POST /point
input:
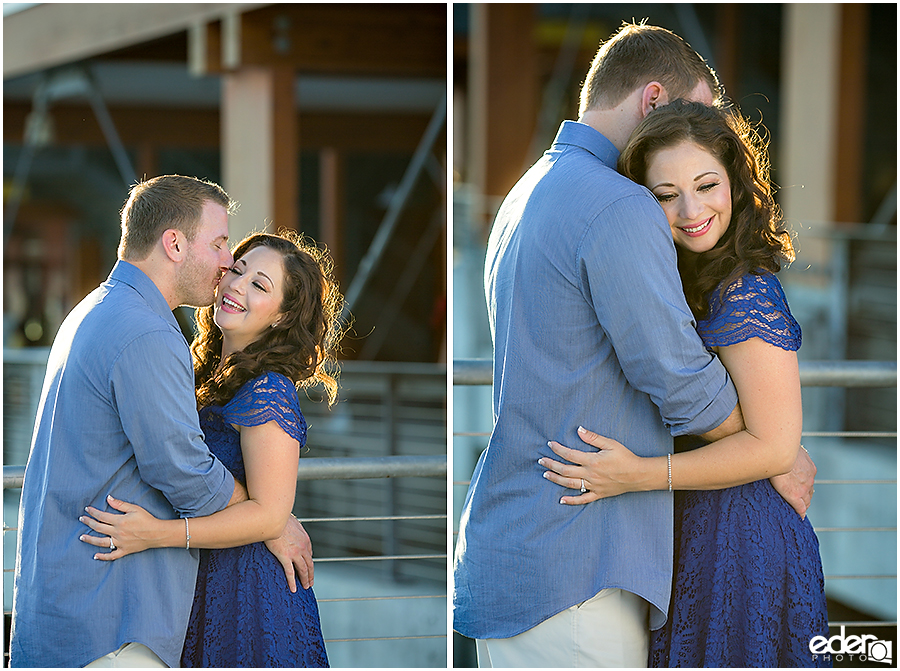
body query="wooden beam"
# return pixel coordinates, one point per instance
(331, 207)
(74, 124)
(247, 147)
(851, 114)
(382, 39)
(52, 34)
(285, 151)
(503, 90)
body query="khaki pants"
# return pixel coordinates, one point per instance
(610, 630)
(129, 656)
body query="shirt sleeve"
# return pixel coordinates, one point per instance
(270, 397)
(629, 275)
(752, 307)
(152, 387)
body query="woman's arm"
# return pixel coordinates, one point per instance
(767, 380)
(270, 462)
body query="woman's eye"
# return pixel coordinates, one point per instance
(234, 270)
(709, 186)
(665, 197)
(259, 286)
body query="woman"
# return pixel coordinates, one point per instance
(273, 327)
(748, 588)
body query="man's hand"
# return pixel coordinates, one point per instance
(294, 549)
(797, 486)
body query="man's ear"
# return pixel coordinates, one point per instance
(174, 244)
(654, 95)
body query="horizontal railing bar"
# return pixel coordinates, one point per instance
(358, 468)
(383, 638)
(849, 434)
(811, 434)
(385, 518)
(849, 623)
(825, 529)
(383, 598)
(812, 373)
(856, 482)
(887, 576)
(355, 468)
(378, 558)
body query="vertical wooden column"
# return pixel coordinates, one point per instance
(259, 148)
(331, 207)
(809, 92)
(504, 90)
(851, 100)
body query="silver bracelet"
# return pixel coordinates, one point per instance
(187, 529)
(669, 459)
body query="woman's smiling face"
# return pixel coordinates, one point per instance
(693, 188)
(249, 297)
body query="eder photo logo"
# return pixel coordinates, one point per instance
(861, 648)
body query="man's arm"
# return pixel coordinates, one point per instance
(732, 424)
(152, 388)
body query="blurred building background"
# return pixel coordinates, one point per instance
(822, 78)
(325, 118)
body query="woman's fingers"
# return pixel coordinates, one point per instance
(96, 525)
(581, 499)
(99, 541)
(557, 467)
(563, 480)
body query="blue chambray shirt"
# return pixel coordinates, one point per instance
(590, 327)
(117, 416)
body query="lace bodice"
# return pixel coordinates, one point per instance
(271, 396)
(752, 307)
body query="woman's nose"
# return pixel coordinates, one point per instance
(690, 207)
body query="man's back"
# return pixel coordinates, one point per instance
(588, 321)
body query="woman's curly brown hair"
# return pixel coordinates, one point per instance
(301, 346)
(756, 239)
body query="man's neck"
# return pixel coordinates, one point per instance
(160, 278)
(616, 123)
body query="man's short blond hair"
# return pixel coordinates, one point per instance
(635, 56)
(158, 204)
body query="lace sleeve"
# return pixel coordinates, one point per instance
(271, 396)
(753, 307)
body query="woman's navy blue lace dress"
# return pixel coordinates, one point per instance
(748, 588)
(244, 615)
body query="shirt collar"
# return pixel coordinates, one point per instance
(581, 135)
(138, 280)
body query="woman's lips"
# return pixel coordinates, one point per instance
(698, 230)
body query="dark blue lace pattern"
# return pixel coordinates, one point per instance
(244, 615)
(748, 588)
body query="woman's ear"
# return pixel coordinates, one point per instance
(174, 244)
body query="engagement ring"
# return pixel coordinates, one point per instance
(112, 546)
(583, 488)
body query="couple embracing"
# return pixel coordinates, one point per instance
(599, 321)
(125, 481)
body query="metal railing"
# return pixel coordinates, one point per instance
(848, 374)
(343, 469)
(380, 545)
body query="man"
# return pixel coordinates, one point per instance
(118, 414)
(590, 328)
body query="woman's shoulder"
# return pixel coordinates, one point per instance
(268, 397)
(264, 388)
(753, 305)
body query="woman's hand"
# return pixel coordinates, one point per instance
(612, 471)
(134, 531)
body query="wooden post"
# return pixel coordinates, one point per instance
(259, 148)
